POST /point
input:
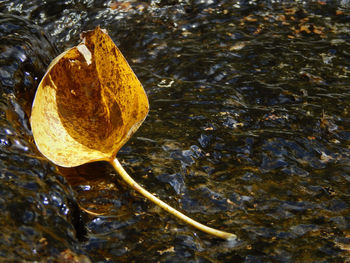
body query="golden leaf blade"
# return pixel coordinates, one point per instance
(88, 104)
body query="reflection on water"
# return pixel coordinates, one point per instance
(248, 129)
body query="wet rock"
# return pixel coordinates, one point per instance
(274, 163)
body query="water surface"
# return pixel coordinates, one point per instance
(248, 132)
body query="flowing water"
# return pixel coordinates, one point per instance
(248, 132)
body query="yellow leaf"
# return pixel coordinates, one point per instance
(88, 104)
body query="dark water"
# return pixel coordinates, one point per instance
(249, 132)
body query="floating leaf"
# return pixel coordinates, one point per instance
(88, 105)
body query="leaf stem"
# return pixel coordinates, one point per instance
(221, 234)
